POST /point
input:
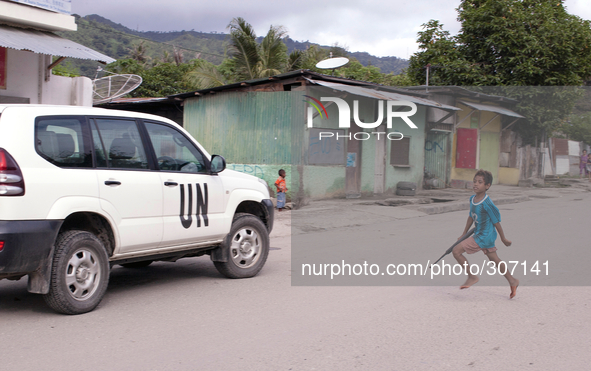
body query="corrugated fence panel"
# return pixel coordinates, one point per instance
(436, 156)
(273, 127)
(245, 128)
(298, 127)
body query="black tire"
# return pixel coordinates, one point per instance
(248, 247)
(135, 265)
(405, 192)
(79, 273)
(406, 185)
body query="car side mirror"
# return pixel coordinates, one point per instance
(218, 164)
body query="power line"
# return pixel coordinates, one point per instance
(143, 38)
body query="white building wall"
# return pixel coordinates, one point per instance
(574, 152)
(574, 148)
(26, 79)
(562, 165)
(22, 75)
(12, 12)
(547, 162)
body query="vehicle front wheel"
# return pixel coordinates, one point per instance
(79, 274)
(248, 247)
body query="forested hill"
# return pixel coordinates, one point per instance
(118, 41)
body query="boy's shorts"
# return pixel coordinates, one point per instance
(280, 200)
(470, 246)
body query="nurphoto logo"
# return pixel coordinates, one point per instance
(345, 115)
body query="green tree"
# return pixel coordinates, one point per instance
(440, 53)
(506, 42)
(160, 80)
(65, 69)
(578, 127)
(511, 43)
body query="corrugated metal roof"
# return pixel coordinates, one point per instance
(384, 95)
(495, 109)
(137, 100)
(292, 74)
(458, 91)
(47, 43)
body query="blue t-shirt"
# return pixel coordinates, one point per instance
(485, 215)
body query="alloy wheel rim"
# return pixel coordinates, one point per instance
(82, 274)
(246, 248)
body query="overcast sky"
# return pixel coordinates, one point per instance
(381, 28)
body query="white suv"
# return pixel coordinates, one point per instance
(82, 189)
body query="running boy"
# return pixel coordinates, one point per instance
(281, 189)
(487, 217)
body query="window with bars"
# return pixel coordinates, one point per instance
(400, 152)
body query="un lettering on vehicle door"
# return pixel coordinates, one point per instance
(193, 209)
(193, 199)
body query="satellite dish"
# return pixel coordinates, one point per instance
(332, 63)
(108, 88)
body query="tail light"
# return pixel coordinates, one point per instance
(11, 177)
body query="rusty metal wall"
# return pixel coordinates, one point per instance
(437, 156)
(244, 127)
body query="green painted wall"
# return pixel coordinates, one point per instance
(414, 173)
(247, 128)
(489, 153)
(260, 132)
(324, 181)
(329, 180)
(269, 173)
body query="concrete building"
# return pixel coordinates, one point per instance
(458, 145)
(27, 51)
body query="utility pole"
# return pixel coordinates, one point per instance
(428, 67)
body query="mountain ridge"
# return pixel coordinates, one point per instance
(116, 40)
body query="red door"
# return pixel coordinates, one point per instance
(466, 148)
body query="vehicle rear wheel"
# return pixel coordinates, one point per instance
(248, 247)
(79, 273)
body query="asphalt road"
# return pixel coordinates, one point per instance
(185, 316)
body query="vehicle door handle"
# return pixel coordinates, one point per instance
(112, 182)
(171, 184)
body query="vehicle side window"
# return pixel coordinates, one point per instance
(99, 148)
(61, 142)
(118, 144)
(174, 151)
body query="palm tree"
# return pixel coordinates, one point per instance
(206, 76)
(251, 60)
(272, 53)
(296, 60)
(248, 59)
(245, 53)
(139, 53)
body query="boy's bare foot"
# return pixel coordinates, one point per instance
(514, 289)
(469, 282)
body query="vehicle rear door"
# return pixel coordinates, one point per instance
(130, 192)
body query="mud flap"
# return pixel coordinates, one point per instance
(220, 254)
